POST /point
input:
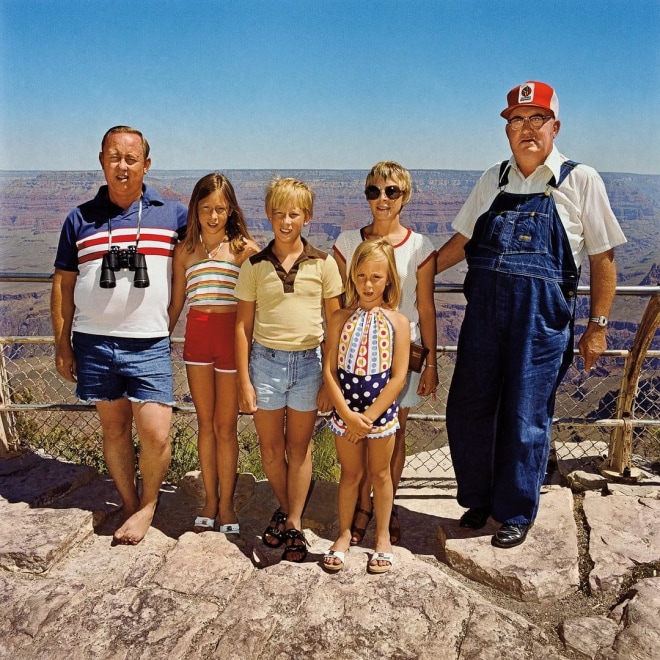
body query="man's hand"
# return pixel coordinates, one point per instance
(592, 344)
(62, 308)
(602, 284)
(65, 362)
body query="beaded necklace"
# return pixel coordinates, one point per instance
(211, 254)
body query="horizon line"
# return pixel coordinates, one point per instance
(293, 169)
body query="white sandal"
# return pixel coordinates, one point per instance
(205, 524)
(334, 554)
(380, 556)
(230, 528)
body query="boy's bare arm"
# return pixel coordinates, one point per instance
(323, 399)
(247, 399)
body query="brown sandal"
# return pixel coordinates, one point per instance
(357, 533)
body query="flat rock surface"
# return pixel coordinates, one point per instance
(625, 532)
(68, 593)
(528, 571)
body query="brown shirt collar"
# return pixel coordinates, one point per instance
(288, 278)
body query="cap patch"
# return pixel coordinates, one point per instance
(532, 93)
(526, 94)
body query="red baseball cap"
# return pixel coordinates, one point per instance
(532, 93)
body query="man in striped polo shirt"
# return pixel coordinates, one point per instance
(111, 289)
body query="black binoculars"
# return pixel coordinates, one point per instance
(116, 259)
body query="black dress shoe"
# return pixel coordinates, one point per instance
(509, 536)
(475, 518)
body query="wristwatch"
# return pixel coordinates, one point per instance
(600, 320)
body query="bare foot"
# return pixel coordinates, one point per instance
(135, 527)
(361, 519)
(296, 546)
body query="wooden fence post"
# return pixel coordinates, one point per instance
(619, 459)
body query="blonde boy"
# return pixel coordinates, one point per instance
(283, 292)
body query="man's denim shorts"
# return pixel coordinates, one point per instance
(286, 378)
(110, 368)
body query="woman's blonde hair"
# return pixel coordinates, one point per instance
(281, 192)
(389, 169)
(236, 229)
(376, 248)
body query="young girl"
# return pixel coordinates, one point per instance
(388, 189)
(205, 269)
(365, 369)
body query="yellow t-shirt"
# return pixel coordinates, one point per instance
(288, 315)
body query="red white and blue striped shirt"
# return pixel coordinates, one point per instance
(123, 311)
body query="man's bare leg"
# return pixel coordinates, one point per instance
(152, 421)
(116, 419)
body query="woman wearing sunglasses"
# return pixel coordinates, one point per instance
(388, 189)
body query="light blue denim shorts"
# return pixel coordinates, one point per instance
(288, 379)
(408, 397)
(110, 368)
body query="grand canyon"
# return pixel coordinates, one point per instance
(33, 206)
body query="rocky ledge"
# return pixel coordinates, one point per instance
(583, 585)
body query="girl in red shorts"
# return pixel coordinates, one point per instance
(204, 272)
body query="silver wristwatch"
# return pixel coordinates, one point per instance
(599, 320)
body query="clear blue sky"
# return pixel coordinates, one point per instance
(291, 84)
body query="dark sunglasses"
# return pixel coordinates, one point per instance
(391, 192)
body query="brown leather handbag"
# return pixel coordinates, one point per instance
(417, 356)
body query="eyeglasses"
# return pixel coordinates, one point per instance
(535, 121)
(391, 192)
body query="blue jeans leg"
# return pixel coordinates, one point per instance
(512, 352)
(473, 400)
(538, 339)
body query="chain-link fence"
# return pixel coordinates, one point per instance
(584, 412)
(586, 406)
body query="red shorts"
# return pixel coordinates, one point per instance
(210, 339)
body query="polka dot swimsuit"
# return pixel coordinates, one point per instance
(364, 366)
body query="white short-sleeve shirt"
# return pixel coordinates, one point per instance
(410, 255)
(581, 201)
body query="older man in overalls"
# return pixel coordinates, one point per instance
(523, 230)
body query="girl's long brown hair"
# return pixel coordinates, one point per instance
(236, 229)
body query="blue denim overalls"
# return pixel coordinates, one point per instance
(515, 345)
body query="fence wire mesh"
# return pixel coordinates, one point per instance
(586, 402)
